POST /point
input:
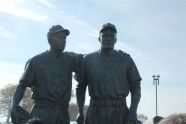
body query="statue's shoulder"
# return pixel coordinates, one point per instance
(73, 57)
(73, 54)
(91, 55)
(122, 53)
(39, 57)
(36, 59)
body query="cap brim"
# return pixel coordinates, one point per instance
(66, 31)
(104, 28)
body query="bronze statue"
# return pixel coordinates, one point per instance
(110, 75)
(49, 75)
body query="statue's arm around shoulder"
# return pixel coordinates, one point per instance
(81, 92)
(75, 59)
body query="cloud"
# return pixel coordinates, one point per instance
(132, 51)
(74, 22)
(87, 29)
(6, 34)
(12, 8)
(86, 46)
(46, 3)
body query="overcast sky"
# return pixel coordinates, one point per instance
(153, 32)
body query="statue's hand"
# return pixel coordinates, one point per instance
(14, 117)
(132, 118)
(131, 122)
(80, 118)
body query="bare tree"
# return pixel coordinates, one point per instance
(143, 118)
(6, 95)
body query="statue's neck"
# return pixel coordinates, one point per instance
(107, 51)
(55, 52)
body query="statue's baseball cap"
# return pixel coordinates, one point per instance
(58, 28)
(108, 26)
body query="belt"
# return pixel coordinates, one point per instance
(48, 104)
(108, 102)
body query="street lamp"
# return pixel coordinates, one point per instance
(156, 82)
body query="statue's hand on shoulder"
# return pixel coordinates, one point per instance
(80, 118)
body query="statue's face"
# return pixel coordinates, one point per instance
(58, 41)
(107, 38)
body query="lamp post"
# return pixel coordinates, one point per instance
(156, 83)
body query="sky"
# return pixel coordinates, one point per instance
(151, 31)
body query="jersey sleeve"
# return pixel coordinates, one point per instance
(132, 72)
(76, 64)
(28, 76)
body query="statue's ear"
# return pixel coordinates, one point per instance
(99, 39)
(115, 40)
(49, 41)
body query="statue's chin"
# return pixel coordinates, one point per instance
(107, 47)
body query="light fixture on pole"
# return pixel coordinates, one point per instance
(156, 83)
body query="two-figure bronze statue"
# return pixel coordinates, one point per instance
(109, 75)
